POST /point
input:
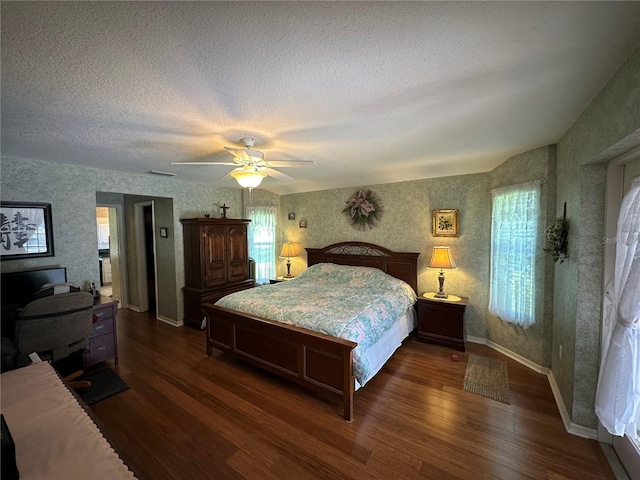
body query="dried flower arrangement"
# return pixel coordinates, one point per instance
(557, 238)
(363, 210)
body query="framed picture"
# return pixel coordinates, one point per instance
(292, 216)
(303, 224)
(164, 232)
(25, 230)
(445, 223)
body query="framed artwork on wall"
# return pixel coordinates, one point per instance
(291, 216)
(445, 223)
(164, 232)
(25, 230)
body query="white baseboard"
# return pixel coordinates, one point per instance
(135, 308)
(514, 356)
(570, 427)
(170, 321)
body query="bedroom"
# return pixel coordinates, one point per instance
(573, 167)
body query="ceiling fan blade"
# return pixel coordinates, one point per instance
(233, 164)
(292, 163)
(276, 174)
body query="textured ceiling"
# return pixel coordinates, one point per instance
(372, 92)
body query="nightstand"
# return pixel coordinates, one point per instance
(441, 321)
(279, 279)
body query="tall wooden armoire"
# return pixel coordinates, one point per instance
(216, 262)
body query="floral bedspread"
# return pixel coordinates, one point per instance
(353, 303)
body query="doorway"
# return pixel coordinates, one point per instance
(146, 257)
(620, 173)
(111, 253)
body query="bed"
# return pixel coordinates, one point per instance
(318, 360)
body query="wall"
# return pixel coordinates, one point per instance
(609, 126)
(71, 190)
(406, 225)
(533, 343)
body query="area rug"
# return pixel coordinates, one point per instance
(487, 377)
(104, 384)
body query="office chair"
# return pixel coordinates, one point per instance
(56, 326)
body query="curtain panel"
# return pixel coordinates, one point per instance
(262, 241)
(514, 226)
(618, 393)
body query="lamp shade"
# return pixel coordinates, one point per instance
(248, 177)
(442, 259)
(289, 249)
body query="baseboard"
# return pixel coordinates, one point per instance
(170, 321)
(514, 356)
(569, 426)
(135, 308)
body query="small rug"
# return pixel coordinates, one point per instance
(104, 384)
(487, 377)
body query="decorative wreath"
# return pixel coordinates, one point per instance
(363, 210)
(557, 239)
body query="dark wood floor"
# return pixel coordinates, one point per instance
(187, 416)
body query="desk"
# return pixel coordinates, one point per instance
(53, 435)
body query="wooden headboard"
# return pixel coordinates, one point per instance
(401, 265)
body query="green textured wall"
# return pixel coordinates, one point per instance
(533, 343)
(609, 126)
(406, 225)
(71, 190)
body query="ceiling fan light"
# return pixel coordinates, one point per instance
(248, 178)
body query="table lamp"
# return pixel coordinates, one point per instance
(289, 249)
(441, 259)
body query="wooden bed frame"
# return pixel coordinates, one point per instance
(319, 362)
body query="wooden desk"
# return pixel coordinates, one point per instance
(54, 436)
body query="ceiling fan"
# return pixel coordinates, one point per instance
(252, 166)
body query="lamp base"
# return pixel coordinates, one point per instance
(440, 293)
(288, 275)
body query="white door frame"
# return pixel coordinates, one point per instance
(122, 250)
(143, 292)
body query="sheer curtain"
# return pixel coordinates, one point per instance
(514, 227)
(262, 241)
(618, 394)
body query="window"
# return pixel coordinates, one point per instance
(262, 241)
(514, 227)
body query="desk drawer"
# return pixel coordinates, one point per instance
(103, 312)
(101, 348)
(102, 326)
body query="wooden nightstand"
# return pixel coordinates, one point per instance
(279, 279)
(442, 321)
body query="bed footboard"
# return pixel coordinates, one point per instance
(314, 360)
